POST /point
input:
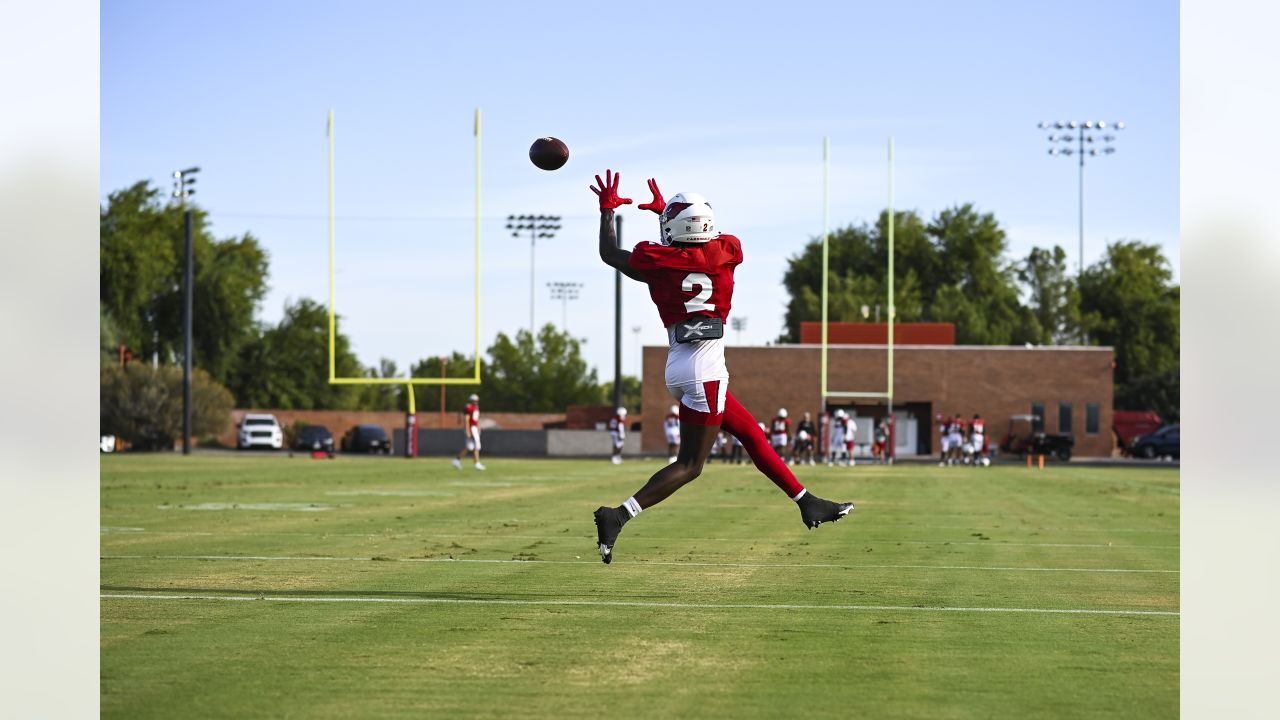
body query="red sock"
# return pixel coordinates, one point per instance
(740, 424)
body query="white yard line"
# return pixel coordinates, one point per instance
(613, 603)
(331, 558)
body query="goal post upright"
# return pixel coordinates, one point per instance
(410, 381)
(826, 239)
(826, 392)
(893, 425)
(477, 133)
(332, 322)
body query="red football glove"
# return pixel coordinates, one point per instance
(658, 204)
(608, 191)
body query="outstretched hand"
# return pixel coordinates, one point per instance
(608, 191)
(658, 204)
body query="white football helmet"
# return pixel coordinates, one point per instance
(688, 218)
(474, 398)
(622, 412)
(840, 413)
(782, 412)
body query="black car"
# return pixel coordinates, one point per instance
(366, 439)
(1161, 443)
(1025, 440)
(314, 438)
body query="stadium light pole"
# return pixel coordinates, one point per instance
(739, 324)
(564, 292)
(1092, 139)
(539, 226)
(183, 182)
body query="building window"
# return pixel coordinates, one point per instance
(1091, 413)
(1064, 418)
(1037, 419)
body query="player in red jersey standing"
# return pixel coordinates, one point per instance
(471, 424)
(690, 279)
(780, 432)
(618, 434)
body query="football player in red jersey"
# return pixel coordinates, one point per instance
(690, 279)
(471, 424)
(618, 434)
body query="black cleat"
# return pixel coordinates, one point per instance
(814, 510)
(608, 525)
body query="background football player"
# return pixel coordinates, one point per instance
(470, 425)
(671, 426)
(780, 432)
(806, 438)
(690, 279)
(618, 434)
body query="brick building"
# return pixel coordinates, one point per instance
(1069, 387)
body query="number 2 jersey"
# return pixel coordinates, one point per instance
(687, 282)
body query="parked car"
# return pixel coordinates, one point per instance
(314, 438)
(1161, 443)
(366, 439)
(1023, 439)
(1129, 425)
(259, 430)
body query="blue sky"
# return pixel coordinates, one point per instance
(728, 99)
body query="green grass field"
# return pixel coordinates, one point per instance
(261, 586)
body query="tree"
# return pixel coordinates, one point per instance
(110, 338)
(143, 404)
(1129, 301)
(288, 366)
(141, 250)
(545, 375)
(949, 270)
(1054, 296)
(631, 392)
(456, 365)
(381, 397)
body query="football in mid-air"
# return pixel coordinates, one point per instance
(549, 153)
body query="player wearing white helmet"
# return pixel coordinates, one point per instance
(850, 439)
(689, 273)
(806, 440)
(780, 432)
(671, 426)
(618, 432)
(471, 424)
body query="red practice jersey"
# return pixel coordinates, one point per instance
(979, 427)
(781, 425)
(472, 411)
(692, 280)
(618, 424)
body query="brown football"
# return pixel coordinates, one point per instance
(549, 153)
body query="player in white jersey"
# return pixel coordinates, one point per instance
(671, 425)
(850, 438)
(836, 449)
(955, 439)
(978, 439)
